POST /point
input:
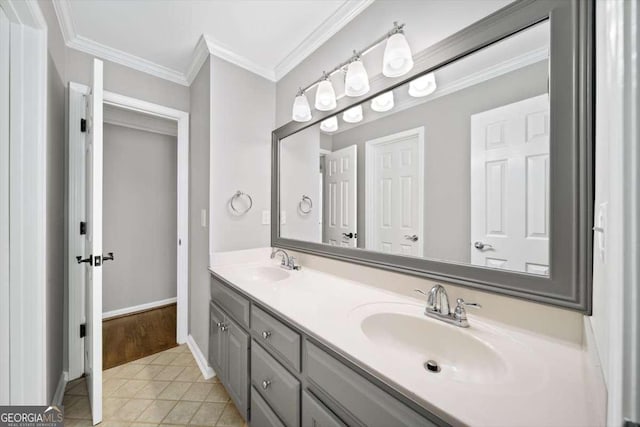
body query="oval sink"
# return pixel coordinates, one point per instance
(263, 274)
(416, 340)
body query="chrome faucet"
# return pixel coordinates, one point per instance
(288, 262)
(438, 307)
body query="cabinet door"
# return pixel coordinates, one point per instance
(315, 414)
(237, 372)
(216, 341)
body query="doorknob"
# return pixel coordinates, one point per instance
(109, 257)
(413, 238)
(482, 246)
(89, 260)
(349, 235)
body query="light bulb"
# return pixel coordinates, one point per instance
(353, 115)
(325, 96)
(356, 82)
(423, 86)
(301, 110)
(382, 103)
(329, 125)
(397, 60)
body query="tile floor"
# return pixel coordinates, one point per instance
(165, 388)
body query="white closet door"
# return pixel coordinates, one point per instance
(93, 339)
(510, 187)
(340, 199)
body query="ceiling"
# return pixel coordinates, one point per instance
(172, 38)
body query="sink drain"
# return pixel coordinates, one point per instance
(432, 366)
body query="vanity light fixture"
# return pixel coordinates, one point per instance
(356, 82)
(382, 103)
(325, 95)
(397, 62)
(329, 125)
(353, 115)
(301, 110)
(423, 86)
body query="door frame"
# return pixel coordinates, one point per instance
(369, 169)
(76, 211)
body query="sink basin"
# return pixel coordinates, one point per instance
(411, 338)
(263, 274)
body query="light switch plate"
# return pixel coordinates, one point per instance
(266, 217)
(283, 217)
(600, 230)
(203, 218)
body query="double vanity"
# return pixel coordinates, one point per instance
(304, 347)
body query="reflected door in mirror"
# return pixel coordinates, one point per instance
(340, 186)
(510, 186)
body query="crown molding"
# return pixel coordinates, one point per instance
(25, 12)
(206, 46)
(334, 23)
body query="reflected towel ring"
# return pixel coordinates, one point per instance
(306, 200)
(238, 195)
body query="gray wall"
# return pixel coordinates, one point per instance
(199, 199)
(447, 154)
(139, 217)
(242, 118)
(427, 22)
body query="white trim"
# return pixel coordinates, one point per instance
(369, 222)
(25, 12)
(28, 171)
(201, 360)
(473, 79)
(334, 23)
(58, 397)
(137, 308)
(207, 45)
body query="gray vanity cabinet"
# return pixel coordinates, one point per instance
(216, 335)
(315, 414)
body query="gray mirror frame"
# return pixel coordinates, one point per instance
(571, 166)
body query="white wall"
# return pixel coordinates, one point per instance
(615, 276)
(242, 118)
(300, 169)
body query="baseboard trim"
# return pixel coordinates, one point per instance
(58, 397)
(137, 308)
(201, 360)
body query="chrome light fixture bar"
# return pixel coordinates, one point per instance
(358, 71)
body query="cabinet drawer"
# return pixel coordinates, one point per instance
(261, 413)
(276, 336)
(277, 386)
(231, 301)
(314, 413)
(364, 400)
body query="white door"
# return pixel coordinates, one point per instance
(395, 193)
(93, 338)
(341, 192)
(510, 187)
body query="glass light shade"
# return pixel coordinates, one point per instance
(356, 82)
(382, 102)
(353, 115)
(423, 86)
(397, 60)
(301, 110)
(325, 96)
(329, 125)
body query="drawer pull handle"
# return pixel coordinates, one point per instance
(266, 384)
(219, 325)
(222, 326)
(266, 334)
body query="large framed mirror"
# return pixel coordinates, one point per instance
(475, 168)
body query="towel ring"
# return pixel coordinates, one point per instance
(239, 194)
(306, 200)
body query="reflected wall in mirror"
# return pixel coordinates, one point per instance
(453, 166)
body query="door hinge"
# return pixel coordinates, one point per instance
(83, 330)
(83, 227)
(83, 125)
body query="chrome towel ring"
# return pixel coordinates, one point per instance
(305, 205)
(238, 195)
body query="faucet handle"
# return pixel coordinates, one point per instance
(460, 314)
(462, 302)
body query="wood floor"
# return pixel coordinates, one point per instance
(137, 335)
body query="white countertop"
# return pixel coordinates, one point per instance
(547, 382)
